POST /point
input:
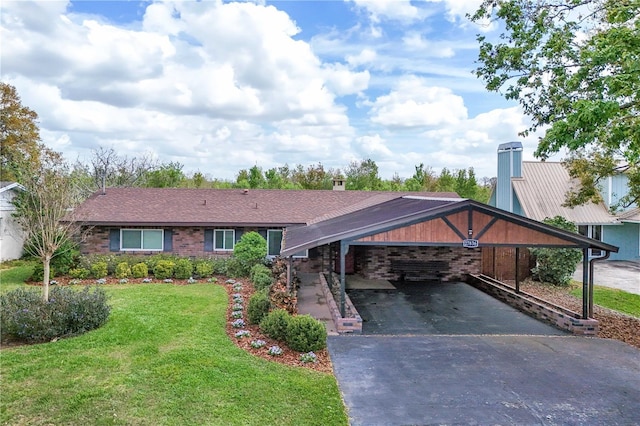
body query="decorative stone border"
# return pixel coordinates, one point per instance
(536, 307)
(343, 325)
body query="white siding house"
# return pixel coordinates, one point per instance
(11, 235)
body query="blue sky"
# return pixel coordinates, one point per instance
(222, 86)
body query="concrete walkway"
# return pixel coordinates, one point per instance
(311, 300)
(620, 274)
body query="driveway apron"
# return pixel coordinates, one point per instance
(450, 354)
(498, 380)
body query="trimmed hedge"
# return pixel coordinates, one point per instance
(305, 334)
(25, 317)
(275, 324)
(258, 307)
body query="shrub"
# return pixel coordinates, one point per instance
(38, 272)
(64, 258)
(163, 269)
(262, 280)
(259, 268)
(203, 268)
(250, 250)
(305, 334)
(275, 324)
(183, 269)
(219, 265)
(258, 306)
(99, 269)
(123, 270)
(555, 265)
(139, 270)
(24, 316)
(79, 273)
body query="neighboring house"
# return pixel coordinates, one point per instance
(537, 190)
(11, 235)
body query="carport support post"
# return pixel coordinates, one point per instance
(344, 248)
(585, 283)
(517, 269)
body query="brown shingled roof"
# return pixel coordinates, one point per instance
(222, 207)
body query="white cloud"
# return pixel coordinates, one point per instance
(415, 42)
(413, 104)
(365, 57)
(401, 10)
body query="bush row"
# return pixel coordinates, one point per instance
(301, 333)
(26, 317)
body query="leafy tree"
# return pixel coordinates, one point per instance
(556, 265)
(313, 177)
(45, 209)
(446, 181)
(168, 175)
(19, 133)
(363, 176)
(574, 67)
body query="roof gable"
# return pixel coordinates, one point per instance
(430, 222)
(542, 191)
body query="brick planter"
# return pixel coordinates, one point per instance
(536, 307)
(343, 325)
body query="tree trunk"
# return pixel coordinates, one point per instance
(45, 281)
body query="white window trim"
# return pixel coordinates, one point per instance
(302, 256)
(142, 231)
(223, 239)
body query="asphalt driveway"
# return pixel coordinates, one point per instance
(498, 380)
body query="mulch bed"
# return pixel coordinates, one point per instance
(288, 357)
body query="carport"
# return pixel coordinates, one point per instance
(463, 226)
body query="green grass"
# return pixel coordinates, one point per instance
(14, 277)
(617, 300)
(162, 358)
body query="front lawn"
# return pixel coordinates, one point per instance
(617, 300)
(162, 358)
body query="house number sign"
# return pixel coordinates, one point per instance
(470, 243)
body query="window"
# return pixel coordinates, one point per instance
(141, 239)
(301, 254)
(224, 239)
(274, 242)
(592, 231)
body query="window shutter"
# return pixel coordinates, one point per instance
(114, 240)
(239, 233)
(263, 233)
(208, 240)
(168, 240)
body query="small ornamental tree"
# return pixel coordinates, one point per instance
(249, 251)
(555, 265)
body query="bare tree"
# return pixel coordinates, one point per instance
(108, 169)
(45, 209)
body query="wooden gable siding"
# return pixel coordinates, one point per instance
(505, 233)
(437, 230)
(434, 230)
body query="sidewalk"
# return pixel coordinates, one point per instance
(311, 301)
(620, 274)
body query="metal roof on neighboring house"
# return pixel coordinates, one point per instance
(542, 192)
(223, 207)
(630, 216)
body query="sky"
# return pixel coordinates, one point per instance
(223, 86)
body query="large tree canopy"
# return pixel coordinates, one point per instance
(19, 133)
(574, 67)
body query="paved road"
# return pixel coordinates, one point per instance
(620, 274)
(478, 380)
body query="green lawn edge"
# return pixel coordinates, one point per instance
(162, 358)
